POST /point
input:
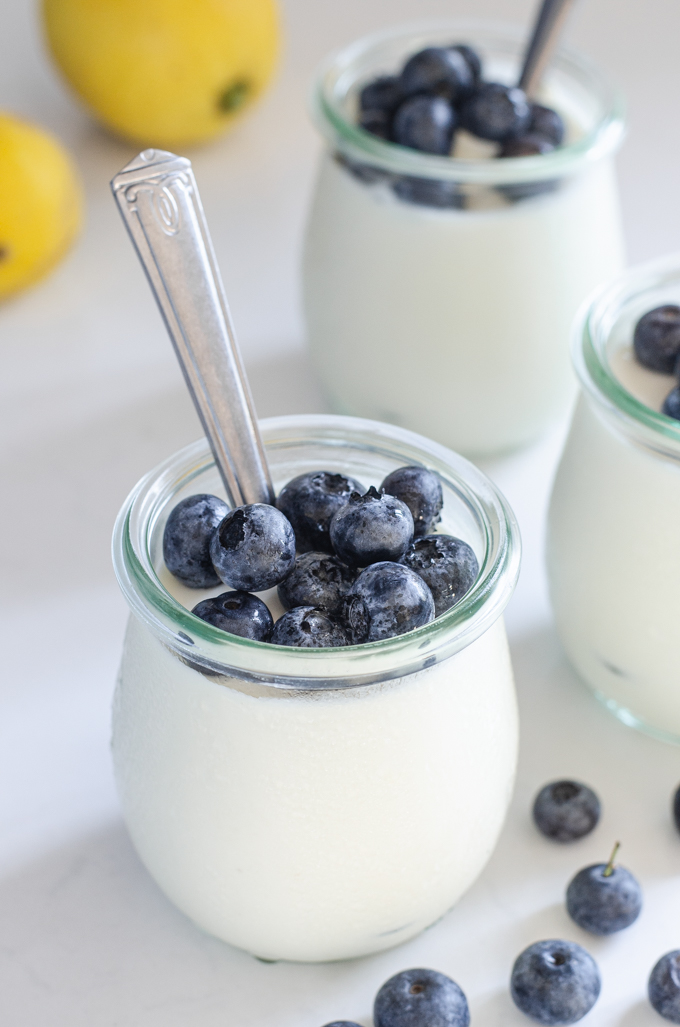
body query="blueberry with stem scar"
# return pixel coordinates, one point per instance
(387, 599)
(604, 898)
(447, 565)
(253, 547)
(555, 982)
(317, 580)
(420, 998)
(307, 628)
(240, 613)
(566, 810)
(371, 528)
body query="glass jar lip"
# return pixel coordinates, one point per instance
(592, 329)
(361, 145)
(220, 654)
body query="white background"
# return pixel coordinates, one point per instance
(91, 399)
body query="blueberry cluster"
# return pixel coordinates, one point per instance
(656, 344)
(350, 565)
(438, 91)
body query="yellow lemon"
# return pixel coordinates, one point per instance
(164, 73)
(41, 206)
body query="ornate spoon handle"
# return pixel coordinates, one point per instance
(160, 205)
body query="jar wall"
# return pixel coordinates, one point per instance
(454, 323)
(315, 825)
(613, 561)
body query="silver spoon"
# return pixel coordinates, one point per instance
(549, 24)
(160, 205)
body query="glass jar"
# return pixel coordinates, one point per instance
(311, 804)
(613, 539)
(449, 313)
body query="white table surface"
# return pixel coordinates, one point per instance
(91, 398)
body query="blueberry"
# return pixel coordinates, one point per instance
(527, 145)
(377, 123)
(657, 338)
(443, 71)
(663, 987)
(421, 490)
(253, 547)
(566, 810)
(420, 998)
(371, 528)
(546, 122)
(425, 123)
(604, 898)
(317, 580)
(308, 628)
(382, 94)
(186, 540)
(473, 60)
(429, 192)
(671, 404)
(555, 982)
(309, 502)
(676, 807)
(447, 565)
(238, 612)
(387, 599)
(495, 112)
(343, 1023)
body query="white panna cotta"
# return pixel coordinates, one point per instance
(613, 543)
(455, 322)
(316, 804)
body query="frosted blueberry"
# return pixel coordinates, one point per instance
(671, 404)
(555, 982)
(443, 71)
(604, 898)
(421, 490)
(238, 612)
(425, 123)
(309, 502)
(317, 580)
(663, 987)
(420, 998)
(495, 111)
(566, 810)
(387, 599)
(447, 565)
(253, 547)
(186, 539)
(656, 340)
(371, 528)
(307, 628)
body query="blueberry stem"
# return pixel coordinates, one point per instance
(609, 869)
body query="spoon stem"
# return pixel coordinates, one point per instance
(549, 23)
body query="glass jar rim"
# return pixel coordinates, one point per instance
(220, 654)
(361, 145)
(592, 329)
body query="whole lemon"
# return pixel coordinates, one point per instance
(164, 73)
(41, 208)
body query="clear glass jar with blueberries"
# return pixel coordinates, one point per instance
(454, 230)
(613, 543)
(315, 803)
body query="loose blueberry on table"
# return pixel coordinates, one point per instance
(420, 998)
(238, 612)
(663, 987)
(186, 540)
(555, 982)
(604, 898)
(566, 810)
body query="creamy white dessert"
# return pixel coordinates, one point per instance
(613, 541)
(315, 826)
(315, 819)
(455, 323)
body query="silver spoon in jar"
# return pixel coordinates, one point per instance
(549, 23)
(158, 199)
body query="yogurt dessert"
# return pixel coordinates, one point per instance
(613, 545)
(315, 803)
(439, 290)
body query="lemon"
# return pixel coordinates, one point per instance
(164, 73)
(41, 208)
